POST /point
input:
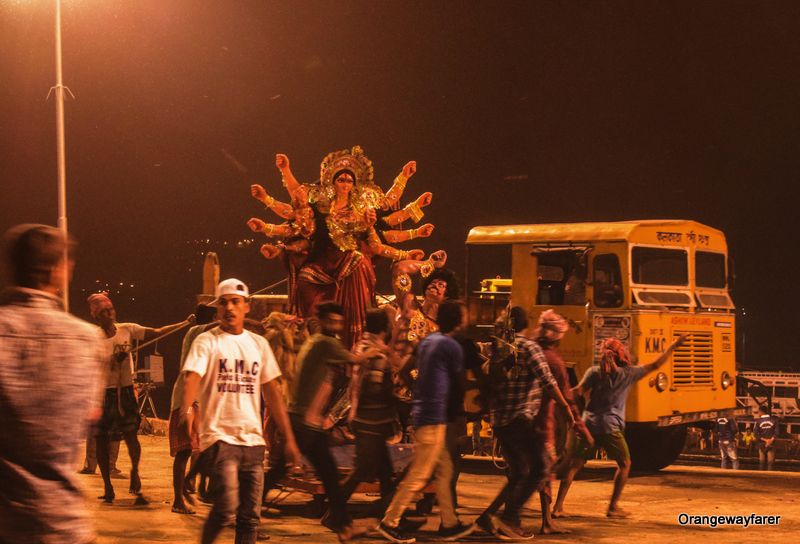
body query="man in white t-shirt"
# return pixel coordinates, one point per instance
(226, 371)
(120, 418)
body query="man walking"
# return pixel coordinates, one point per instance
(227, 370)
(517, 385)
(439, 358)
(50, 365)
(183, 446)
(322, 368)
(608, 385)
(120, 417)
(373, 414)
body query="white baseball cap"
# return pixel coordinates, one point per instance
(231, 286)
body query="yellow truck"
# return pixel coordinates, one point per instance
(644, 282)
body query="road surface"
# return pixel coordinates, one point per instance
(656, 502)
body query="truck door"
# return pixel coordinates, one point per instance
(562, 286)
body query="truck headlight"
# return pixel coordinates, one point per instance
(726, 381)
(661, 382)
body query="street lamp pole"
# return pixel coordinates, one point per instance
(61, 152)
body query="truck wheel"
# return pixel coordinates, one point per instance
(653, 448)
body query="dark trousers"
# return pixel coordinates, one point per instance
(766, 456)
(372, 461)
(237, 478)
(524, 451)
(313, 445)
(277, 457)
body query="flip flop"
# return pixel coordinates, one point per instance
(140, 500)
(183, 510)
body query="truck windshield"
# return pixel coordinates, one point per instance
(656, 266)
(710, 269)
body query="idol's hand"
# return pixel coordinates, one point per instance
(416, 255)
(282, 162)
(270, 251)
(424, 231)
(439, 258)
(424, 199)
(410, 169)
(370, 217)
(256, 225)
(258, 192)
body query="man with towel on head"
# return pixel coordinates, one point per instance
(120, 416)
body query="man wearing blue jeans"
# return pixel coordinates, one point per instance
(766, 429)
(439, 358)
(227, 370)
(727, 431)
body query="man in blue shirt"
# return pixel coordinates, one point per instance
(439, 359)
(608, 384)
(727, 431)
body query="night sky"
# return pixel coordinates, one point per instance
(517, 112)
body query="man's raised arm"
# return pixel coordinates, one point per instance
(664, 356)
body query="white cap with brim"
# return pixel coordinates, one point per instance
(230, 286)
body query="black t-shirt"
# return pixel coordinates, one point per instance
(472, 361)
(726, 428)
(376, 394)
(766, 427)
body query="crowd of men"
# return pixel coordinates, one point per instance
(233, 392)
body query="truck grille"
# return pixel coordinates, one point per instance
(693, 362)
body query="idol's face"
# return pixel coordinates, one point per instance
(436, 290)
(344, 183)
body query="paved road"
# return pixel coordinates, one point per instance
(655, 500)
